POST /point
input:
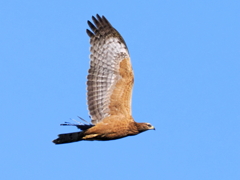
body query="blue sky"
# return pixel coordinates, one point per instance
(185, 56)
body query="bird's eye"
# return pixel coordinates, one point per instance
(149, 125)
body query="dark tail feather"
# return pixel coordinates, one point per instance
(79, 126)
(68, 138)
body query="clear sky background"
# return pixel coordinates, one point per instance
(186, 61)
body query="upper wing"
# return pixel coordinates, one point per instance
(110, 77)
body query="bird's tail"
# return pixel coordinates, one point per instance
(69, 137)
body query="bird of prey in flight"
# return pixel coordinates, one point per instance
(109, 88)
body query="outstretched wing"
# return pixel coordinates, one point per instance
(110, 77)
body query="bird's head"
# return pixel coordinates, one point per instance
(145, 126)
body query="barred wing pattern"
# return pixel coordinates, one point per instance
(110, 77)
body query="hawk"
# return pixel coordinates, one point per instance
(109, 88)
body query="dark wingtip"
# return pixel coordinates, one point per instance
(91, 25)
(97, 15)
(96, 22)
(99, 18)
(90, 34)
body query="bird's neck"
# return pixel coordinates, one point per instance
(136, 127)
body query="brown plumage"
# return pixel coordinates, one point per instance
(109, 85)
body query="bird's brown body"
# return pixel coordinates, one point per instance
(109, 85)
